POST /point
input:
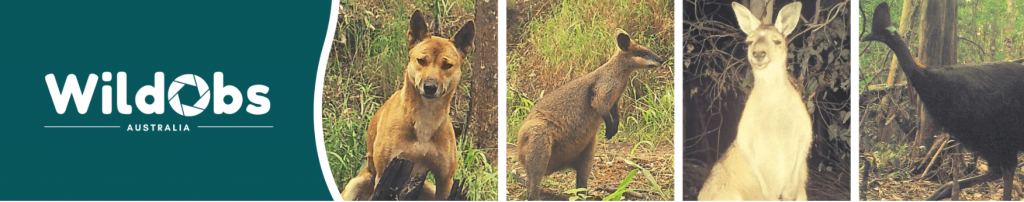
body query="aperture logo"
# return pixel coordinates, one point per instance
(256, 94)
(189, 110)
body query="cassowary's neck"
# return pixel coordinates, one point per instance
(910, 66)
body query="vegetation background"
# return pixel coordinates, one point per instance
(552, 42)
(366, 66)
(897, 163)
(717, 81)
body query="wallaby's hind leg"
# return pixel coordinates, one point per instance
(534, 154)
(584, 163)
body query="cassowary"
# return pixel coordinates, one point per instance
(980, 105)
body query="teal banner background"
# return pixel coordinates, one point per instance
(273, 43)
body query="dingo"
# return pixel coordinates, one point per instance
(414, 123)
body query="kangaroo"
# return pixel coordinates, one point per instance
(413, 123)
(565, 121)
(768, 159)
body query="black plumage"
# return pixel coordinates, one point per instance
(980, 105)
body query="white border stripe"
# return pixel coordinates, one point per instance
(502, 96)
(321, 151)
(677, 86)
(854, 100)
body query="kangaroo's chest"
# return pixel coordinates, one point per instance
(774, 114)
(774, 134)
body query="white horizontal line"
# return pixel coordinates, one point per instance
(235, 126)
(81, 126)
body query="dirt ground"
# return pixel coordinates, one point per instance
(609, 170)
(886, 186)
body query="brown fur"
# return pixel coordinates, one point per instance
(561, 130)
(414, 123)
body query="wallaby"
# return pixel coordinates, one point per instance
(561, 130)
(768, 159)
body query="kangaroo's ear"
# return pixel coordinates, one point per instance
(622, 39)
(417, 28)
(748, 23)
(789, 16)
(463, 40)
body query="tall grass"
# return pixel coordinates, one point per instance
(368, 67)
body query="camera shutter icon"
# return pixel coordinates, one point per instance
(183, 109)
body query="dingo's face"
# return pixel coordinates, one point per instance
(766, 43)
(434, 61)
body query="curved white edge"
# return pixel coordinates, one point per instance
(854, 98)
(678, 104)
(502, 101)
(318, 125)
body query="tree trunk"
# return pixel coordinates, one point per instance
(762, 9)
(483, 117)
(1008, 32)
(938, 47)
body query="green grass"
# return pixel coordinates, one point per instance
(364, 71)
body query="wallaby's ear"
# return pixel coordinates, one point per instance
(463, 40)
(748, 23)
(622, 39)
(789, 16)
(417, 28)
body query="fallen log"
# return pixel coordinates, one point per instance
(398, 183)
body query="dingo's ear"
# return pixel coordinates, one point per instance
(417, 28)
(622, 39)
(463, 40)
(789, 16)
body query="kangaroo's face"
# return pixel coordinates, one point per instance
(434, 61)
(766, 43)
(640, 56)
